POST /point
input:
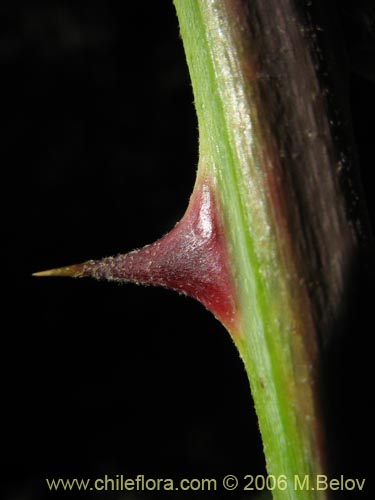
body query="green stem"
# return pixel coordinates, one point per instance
(282, 227)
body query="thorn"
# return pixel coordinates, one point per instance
(191, 259)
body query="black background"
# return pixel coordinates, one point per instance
(100, 150)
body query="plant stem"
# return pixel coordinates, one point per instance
(265, 139)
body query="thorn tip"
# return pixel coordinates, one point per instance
(74, 271)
